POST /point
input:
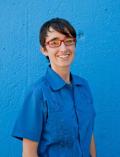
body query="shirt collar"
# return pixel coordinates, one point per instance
(56, 82)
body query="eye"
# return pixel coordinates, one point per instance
(54, 42)
(69, 41)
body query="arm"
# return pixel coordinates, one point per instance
(92, 147)
(29, 148)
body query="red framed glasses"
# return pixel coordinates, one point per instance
(57, 42)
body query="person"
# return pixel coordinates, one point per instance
(57, 116)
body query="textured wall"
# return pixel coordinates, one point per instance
(97, 59)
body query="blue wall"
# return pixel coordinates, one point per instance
(97, 59)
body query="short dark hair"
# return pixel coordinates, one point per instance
(58, 24)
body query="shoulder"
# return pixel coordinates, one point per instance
(80, 80)
(35, 89)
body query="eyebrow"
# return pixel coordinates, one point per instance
(56, 38)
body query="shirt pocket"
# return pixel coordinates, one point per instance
(54, 106)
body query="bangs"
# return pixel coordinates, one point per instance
(63, 29)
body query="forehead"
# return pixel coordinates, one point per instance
(54, 34)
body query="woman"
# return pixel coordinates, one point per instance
(57, 116)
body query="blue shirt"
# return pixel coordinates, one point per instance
(59, 116)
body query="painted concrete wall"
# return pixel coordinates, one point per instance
(97, 59)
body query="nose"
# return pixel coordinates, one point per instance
(63, 46)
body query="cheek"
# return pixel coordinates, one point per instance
(52, 54)
(72, 49)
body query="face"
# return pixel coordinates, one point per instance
(61, 56)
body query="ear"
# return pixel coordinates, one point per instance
(44, 51)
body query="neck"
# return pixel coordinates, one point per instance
(64, 72)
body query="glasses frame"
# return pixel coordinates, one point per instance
(47, 43)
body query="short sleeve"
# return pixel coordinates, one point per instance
(30, 119)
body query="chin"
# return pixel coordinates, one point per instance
(65, 65)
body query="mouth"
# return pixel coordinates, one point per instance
(64, 56)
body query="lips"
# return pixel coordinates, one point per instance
(64, 56)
